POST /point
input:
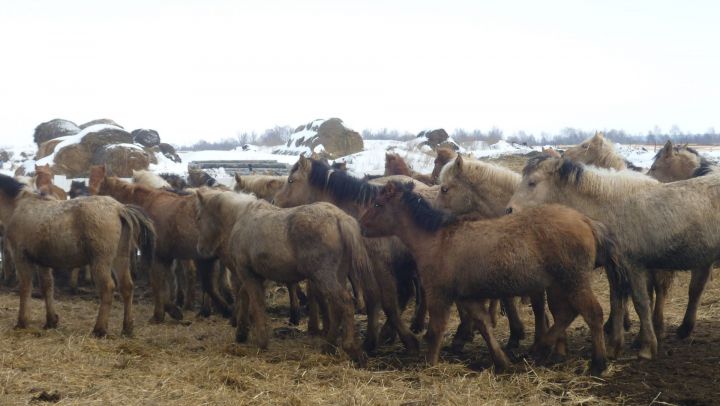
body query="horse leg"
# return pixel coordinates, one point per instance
(563, 315)
(698, 280)
(466, 329)
(105, 286)
(537, 302)
(121, 266)
(313, 310)
(517, 328)
(243, 316)
(190, 279)
(494, 310)
(158, 273)
(180, 283)
(439, 311)
(294, 303)
(483, 322)
(48, 289)
(418, 323)
(24, 274)
(256, 306)
(648, 341)
(585, 303)
(206, 269)
(662, 281)
(614, 325)
(342, 307)
(358, 293)
(74, 278)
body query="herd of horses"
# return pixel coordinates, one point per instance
(470, 234)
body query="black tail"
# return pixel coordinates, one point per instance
(142, 232)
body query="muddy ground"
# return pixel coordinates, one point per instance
(196, 362)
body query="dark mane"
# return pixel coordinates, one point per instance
(423, 214)
(78, 188)
(342, 187)
(10, 186)
(570, 170)
(632, 166)
(704, 168)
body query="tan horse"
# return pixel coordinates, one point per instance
(674, 162)
(597, 151)
(96, 231)
(659, 226)
(260, 241)
(551, 249)
(44, 182)
(174, 217)
(393, 268)
(262, 186)
(149, 179)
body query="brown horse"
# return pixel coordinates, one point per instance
(44, 182)
(395, 165)
(659, 226)
(444, 155)
(96, 231)
(392, 264)
(262, 186)
(260, 241)
(177, 234)
(78, 188)
(551, 249)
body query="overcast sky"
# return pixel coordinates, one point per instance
(208, 69)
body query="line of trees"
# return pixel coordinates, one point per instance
(279, 135)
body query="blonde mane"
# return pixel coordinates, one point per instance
(478, 173)
(610, 184)
(149, 179)
(599, 152)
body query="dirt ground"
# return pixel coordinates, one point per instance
(196, 362)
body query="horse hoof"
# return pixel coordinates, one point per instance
(174, 311)
(646, 354)
(513, 343)
(684, 331)
(20, 326)
(204, 312)
(127, 332)
(417, 327)
(457, 347)
(597, 367)
(99, 332)
(51, 323)
(156, 319)
(556, 358)
(360, 359)
(328, 349)
(635, 345)
(294, 319)
(241, 336)
(387, 335)
(626, 322)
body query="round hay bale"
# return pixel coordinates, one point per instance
(54, 129)
(146, 137)
(73, 161)
(47, 148)
(5, 155)
(95, 140)
(337, 140)
(100, 121)
(169, 152)
(121, 160)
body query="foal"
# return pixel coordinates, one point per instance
(44, 183)
(260, 241)
(551, 249)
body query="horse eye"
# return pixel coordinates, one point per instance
(532, 183)
(377, 205)
(444, 189)
(290, 180)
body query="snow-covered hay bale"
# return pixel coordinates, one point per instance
(121, 159)
(146, 137)
(54, 129)
(329, 138)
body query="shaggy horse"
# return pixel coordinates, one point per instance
(44, 183)
(551, 249)
(478, 190)
(600, 152)
(260, 241)
(177, 235)
(78, 188)
(95, 231)
(392, 264)
(674, 163)
(262, 186)
(444, 155)
(396, 165)
(659, 226)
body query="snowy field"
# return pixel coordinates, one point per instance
(370, 161)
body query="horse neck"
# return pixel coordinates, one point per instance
(420, 242)
(493, 193)
(127, 193)
(595, 192)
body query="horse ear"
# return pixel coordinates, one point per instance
(459, 163)
(302, 162)
(685, 146)
(598, 137)
(668, 148)
(238, 179)
(200, 199)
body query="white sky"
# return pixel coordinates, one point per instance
(208, 69)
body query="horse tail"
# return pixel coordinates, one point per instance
(361, 267)
(608, 253)
(142, 231)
